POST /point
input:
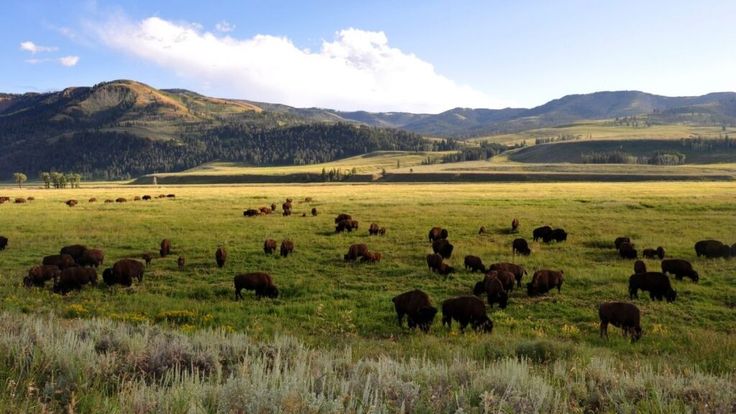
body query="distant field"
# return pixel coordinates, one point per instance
(329, 304)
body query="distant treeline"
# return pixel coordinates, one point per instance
(111, 155)
(621, 157)
(464, 152)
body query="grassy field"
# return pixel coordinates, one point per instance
(328, 305)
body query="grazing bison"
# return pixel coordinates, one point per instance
(269, 246)
(73, 278)
(372, 257)
(541, 232)
(165, 248)
(444, 269)
(514, 224)
(20, 200)
(544, 280)
(437, 233)
(171, 195)
(220, 256)
(39, 275)
(658, 285)
(260, 282)
(108, 201)
(123, 272)
(346, 225)
(712, 249)
(147, 257)
(494, 290)
(264, 210)
(434, 261)
(382, 231)
(474, 263)
(627, 251)
(342, 216)
(416, 305)
(373, 229)
(558, 235)
(621, 315)
(92, 200)
(307, 199)
(506, 278)
(287, 248)
(640, 267)
(137, 198)
(180, 262)
(3, 242)
(621, 240)
(314, 211)
(4, 199)
(517, 270)
(146, 197)
(466, 310)
(71, 203)
(520, 246)
(62, 261)
(91, 257)
(680, 268)
(121, 200)
(75, 251)
(443, 248)
(251, 212)
(653, 253)
(355, 251)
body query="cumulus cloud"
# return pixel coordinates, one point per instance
(224, 26)
(69, 61)
(29, 46)
(358, 69)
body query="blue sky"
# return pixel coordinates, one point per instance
(423, 56)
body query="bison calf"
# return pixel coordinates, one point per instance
(622, 315)
(269, 246)
(287, 248)
(418, 308)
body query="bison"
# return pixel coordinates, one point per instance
(558, 235)
(520, 246)
(146, 197)
(506, 278)
(123, 272)
(20, 200)
(137, 198)
(287, 248)
(3, 242)
(269, 246)
(621, 240)
(712, 249)
(264, 210)
(382, 231)
(251, 212)
(342, 216)
(544, 280)
(355, 251)
(92, 200)
(71, 203)
(514, 224)
(260, 282)
(373, 229)
(640, 267)
(73, 278)
(437, 233)
(443, 248)
(273, 206)
(622, 315)
(39, 275)
(658, 285)
(180, 262)
(221, 256)
(62, 261)
(314, 211)
(495, 292)
(418, 308)
(474, 263)
(91, 257)
(517, 270)
(680, 268)
(434, 261)
(482, 230)
(444, 269)
(540, 232)
(147, 257)
(165, 248)
(372, 257)
(466, 310)
(346, 225)
(653, 253)
(627, 251)
(75, 251)
(121, 200)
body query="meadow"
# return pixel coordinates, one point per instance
(545, 351)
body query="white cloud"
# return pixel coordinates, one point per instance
(225, 26)
(356, 70)
(29, 46)
(69, 61)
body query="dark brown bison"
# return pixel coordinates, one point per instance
(653, 253)
(161, 196)
(482, 230)
(416, 305)
(443, 248)
(269, 246)
(62, 261)
(287, 248)
(621, 315)
(544, 280)
(507, 278)
(180, 262)
(220, 256)
(264, 210)
(170, 195)
(712, 249)
(346, 225)
(444, 269)
(121, 200)
(355, 251)
(437, 233)
(658, 285)
(286, 206)
(39, 275)
(251, 212)
(123, 272)
(314, 211)
(466, 310)
(3, 242)
(621, 240)
(540, 232)
(557, 235)
(75, 251)
(680, 268)
(147, 257)
(137, 198)
(146, 197)
(342, 216)
(517, 270)
(4, 199)
(260, 282)
(91, 257)
(382, 231)
(434, 261)
(627, 251)
(372, 257)
(20, 200)
(514, 224)
(495, 292)
(71, 203)
(307, 199)
(640, 267)
(73, 278)
(474, 263)
(289, 200)
(30, 198)
(92, 200)
(108, 201)
(165, 248)
(521, 247)
(373, 229)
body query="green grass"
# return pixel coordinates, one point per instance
(329, 304)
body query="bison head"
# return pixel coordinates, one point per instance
(425, 317)
(694, 276)
(635, 334)
(484, 324)
(271, 292)
(27, 282)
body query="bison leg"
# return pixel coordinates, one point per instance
(400, 317)
(411, 323)
(559, 287)
(604, 329)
